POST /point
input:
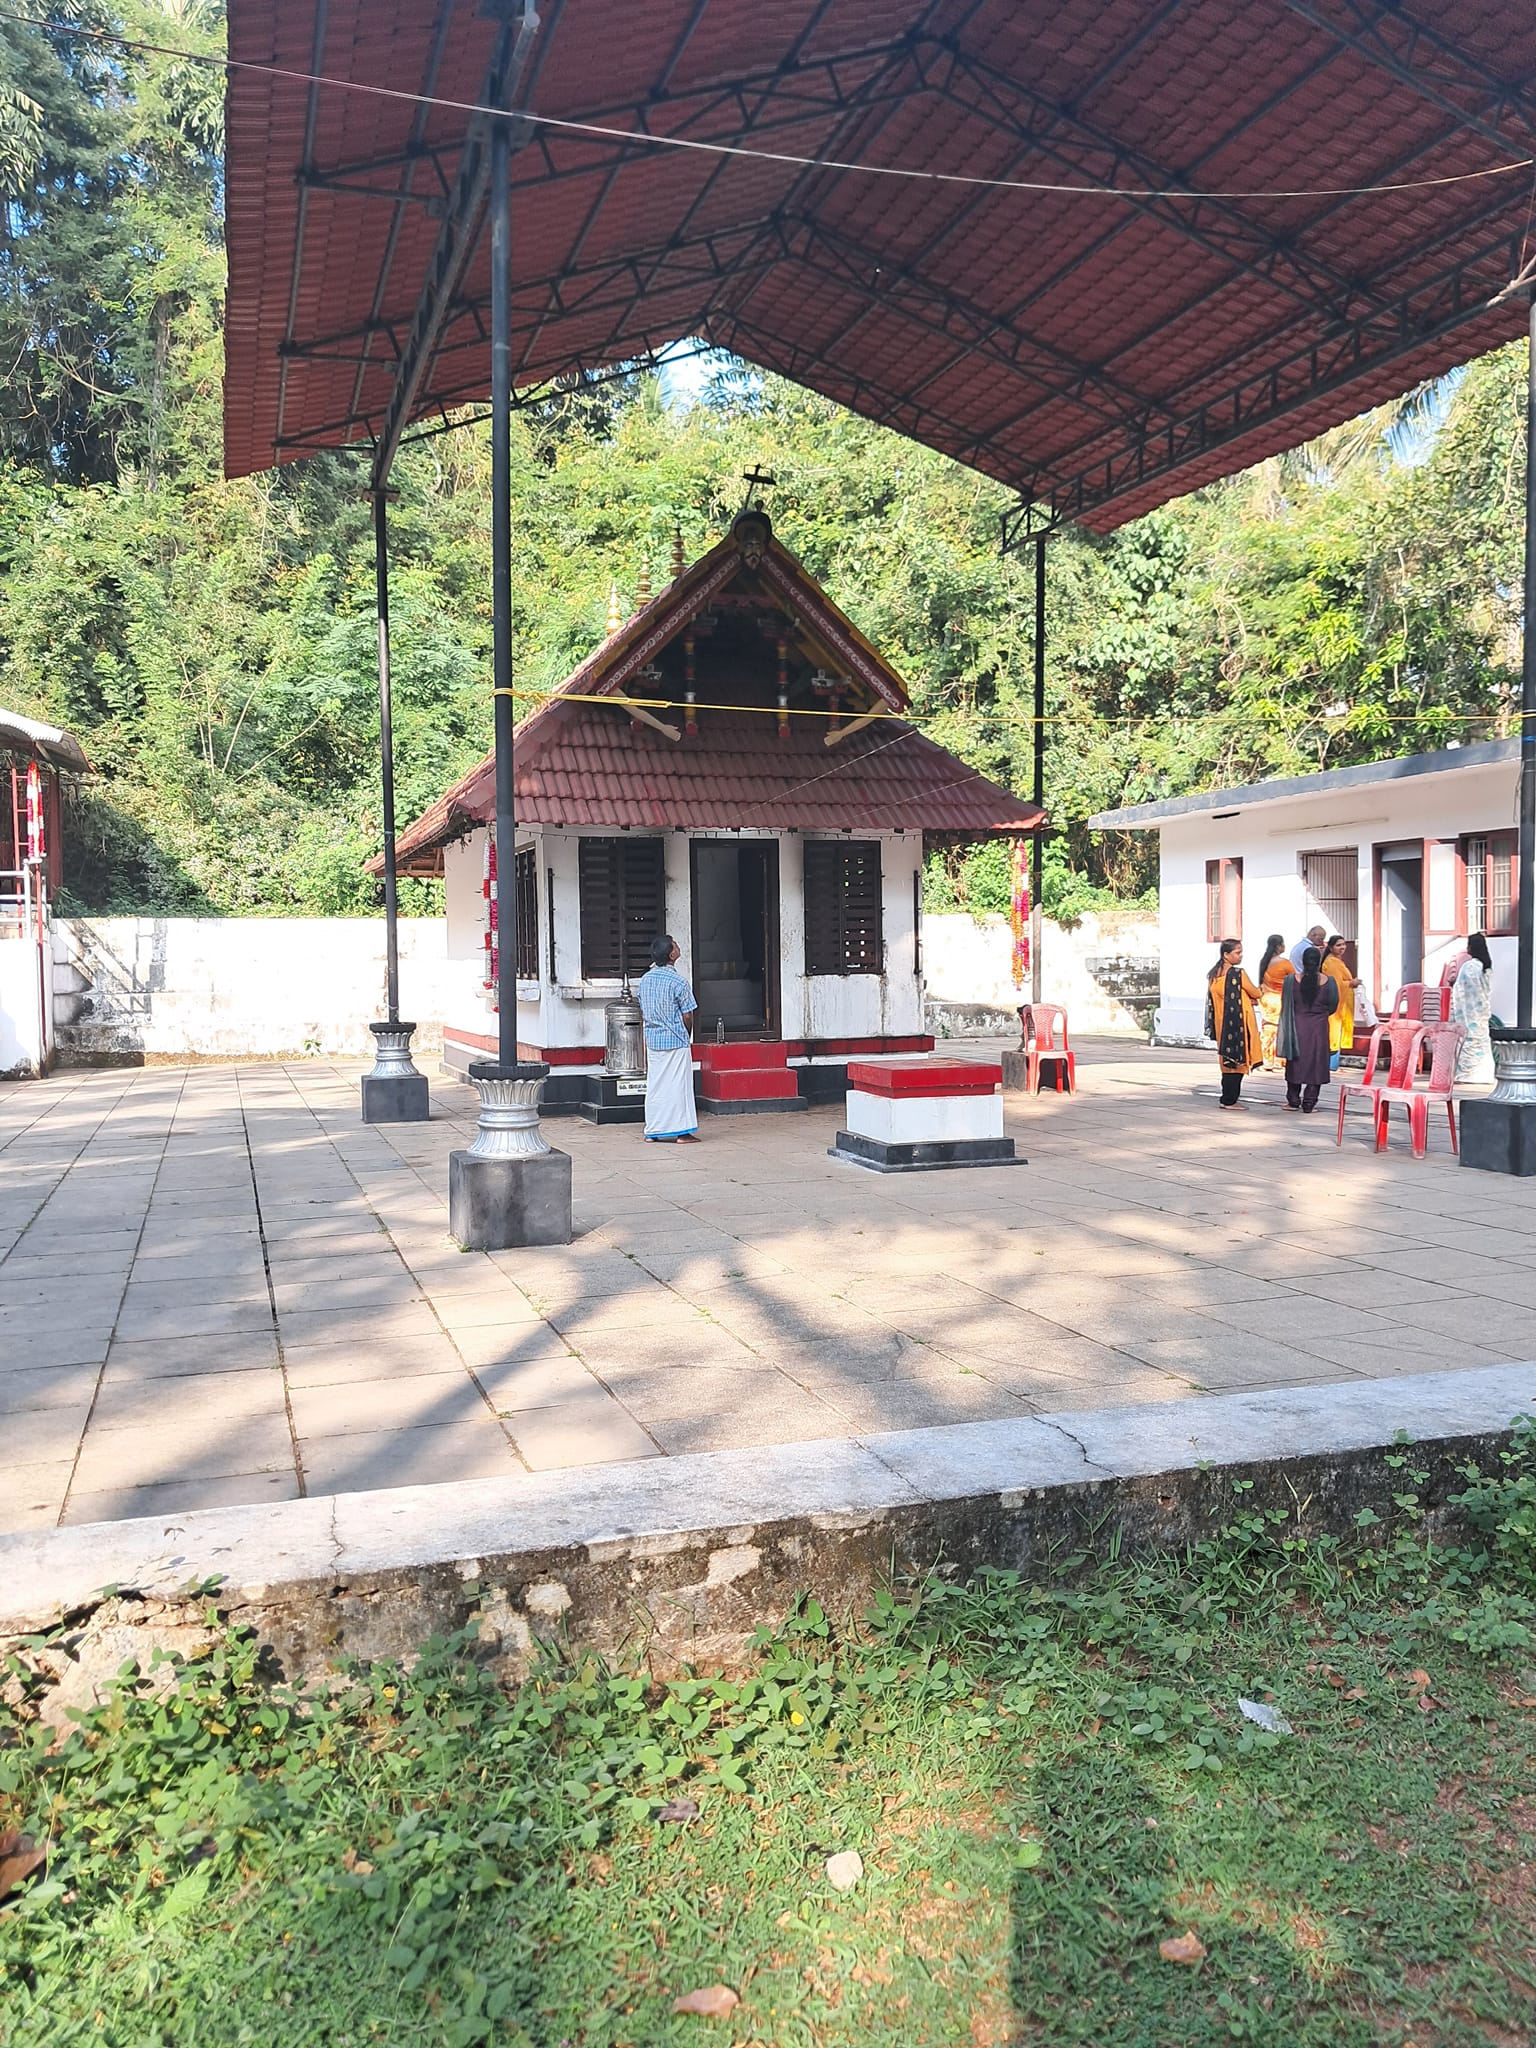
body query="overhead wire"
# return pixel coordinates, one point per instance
(648, 139)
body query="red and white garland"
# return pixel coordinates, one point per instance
(488, 934)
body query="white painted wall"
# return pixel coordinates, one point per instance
(22, 1015)
(969, 960)
(236, 987)
(569, 1011)
(1270, 838)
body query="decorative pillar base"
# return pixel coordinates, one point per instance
(510, 1187)
(393, 1091)
(1498, 1131)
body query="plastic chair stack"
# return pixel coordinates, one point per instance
(1404, 1036)
(1039, 1022)
(1445, 1049)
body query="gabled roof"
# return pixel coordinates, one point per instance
(578, 762)
(1447, 761)
(1250, 219)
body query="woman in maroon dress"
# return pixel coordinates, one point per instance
(1307, 1002)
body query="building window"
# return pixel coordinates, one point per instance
(1223, 900)
(623, 905)
(843, 928)
(526, 892)
(1489, 860)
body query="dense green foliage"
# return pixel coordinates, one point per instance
(212, 643)
(1045, 1782)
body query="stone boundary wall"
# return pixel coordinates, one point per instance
(134, 989)
(1101, 970)
(679, 1560)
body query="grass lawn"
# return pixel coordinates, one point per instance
(1045, 1783)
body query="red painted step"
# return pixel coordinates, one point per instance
(754, 1055)
(748, 1084)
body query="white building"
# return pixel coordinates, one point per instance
(730, 765)
(1402, 858)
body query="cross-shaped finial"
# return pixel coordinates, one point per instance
(756, 479)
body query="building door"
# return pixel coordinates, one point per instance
(1332, 885)
(736, 937)
(1400, 896)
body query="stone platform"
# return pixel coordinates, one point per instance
(218, 1288)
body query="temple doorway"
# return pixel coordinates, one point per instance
(736, 937)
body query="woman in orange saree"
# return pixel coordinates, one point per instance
(1275, 969)
(1232, 1019)
(1341, 1025)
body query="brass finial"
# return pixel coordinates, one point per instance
(615, 609)
(643, 590)
(677, 552)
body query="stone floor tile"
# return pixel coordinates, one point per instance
(875, 1405)
(777, 1423)
(425, 1456)
(514, 1384)
(46, 1386)
(33, 1494)
(388, 1289)
(329, 1365)
(54, 1345)
(484, 1310)
(194, 1319)
(46, 1436)
(353, 1407)
(131, 1401)
(182, 1445)
(181, 1497)
(361, 1324)
(175, 1357)
(591, 1431)
(654, 1393)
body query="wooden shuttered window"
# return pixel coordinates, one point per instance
(1223, 900)
(844, 933)
(1492, 893)
(623, 905)
(526, 893)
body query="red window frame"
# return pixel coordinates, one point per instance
(1498, 850)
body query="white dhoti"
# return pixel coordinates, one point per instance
(669, 1108)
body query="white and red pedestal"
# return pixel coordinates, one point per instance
(912, 1115)
(745, 1078)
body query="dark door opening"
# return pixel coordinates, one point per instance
(736, 937)
(1402, 918)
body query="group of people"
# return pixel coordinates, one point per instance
(1300, 1016)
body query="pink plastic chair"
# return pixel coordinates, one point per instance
(1445, 1047)
(1405, 1037)
(1038, 1022)
(1419, 1002)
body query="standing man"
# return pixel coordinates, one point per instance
(668, 1006)
(1317, 936)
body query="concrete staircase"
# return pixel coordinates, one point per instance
(747, 1078)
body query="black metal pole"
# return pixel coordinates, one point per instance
(1037, 849)
(501, 590)
(1528, 703)
(386, 757)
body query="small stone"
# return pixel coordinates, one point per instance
(844, 1870)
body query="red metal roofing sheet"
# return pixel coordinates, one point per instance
(1100, 355)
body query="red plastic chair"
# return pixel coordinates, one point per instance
(1405, 1037)
(1419, 1002)
(1039, 1022)
(1445, 1048)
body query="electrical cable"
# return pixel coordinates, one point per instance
(645, 140)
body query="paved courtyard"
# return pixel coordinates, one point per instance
(218, 1287)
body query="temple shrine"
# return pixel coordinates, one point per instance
(732, 764)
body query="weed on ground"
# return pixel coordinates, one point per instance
(1070, 1829)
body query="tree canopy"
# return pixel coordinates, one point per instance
(212, 643)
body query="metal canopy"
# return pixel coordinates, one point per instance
(1100, 355)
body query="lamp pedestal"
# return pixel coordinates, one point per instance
(509, 1187)
(393, 1091)
(1498, 1131)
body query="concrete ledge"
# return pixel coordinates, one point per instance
(682, 1557)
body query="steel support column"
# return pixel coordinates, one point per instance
(501, 592)
(1037, 848)
(1527, 874)
(394, 1092)
(510, 1187)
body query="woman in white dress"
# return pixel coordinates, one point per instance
(1472, 1006)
